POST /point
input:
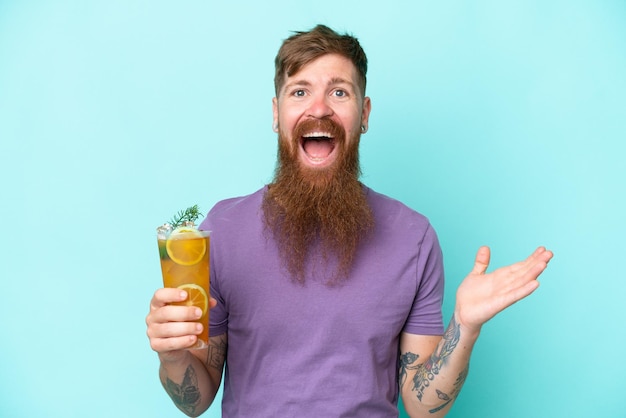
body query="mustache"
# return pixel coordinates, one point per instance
(319, 125)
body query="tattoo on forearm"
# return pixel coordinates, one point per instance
(186, 396)
(217, 353)
(458, 384)
(426, 372)
(406, 360)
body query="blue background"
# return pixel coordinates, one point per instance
(502, 121)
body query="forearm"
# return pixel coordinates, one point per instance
(431, 387)
(192, 380)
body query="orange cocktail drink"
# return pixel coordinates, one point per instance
(184, 254)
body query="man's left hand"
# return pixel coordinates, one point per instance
(482, 295)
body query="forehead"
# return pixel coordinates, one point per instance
(329, 68)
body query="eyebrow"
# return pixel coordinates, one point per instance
(297, 83)
(339, 80)
(333, 82)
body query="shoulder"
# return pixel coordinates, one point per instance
(235, 209)
(240, 203)
(392, 212)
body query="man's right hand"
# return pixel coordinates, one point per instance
(171, 328)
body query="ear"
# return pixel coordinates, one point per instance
(275, 114)
(365, 113)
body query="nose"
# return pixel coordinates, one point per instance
(319, 108)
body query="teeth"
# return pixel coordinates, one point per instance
(317, 134)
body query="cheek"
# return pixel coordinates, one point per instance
(351, 120)
(288, 117)
(352, 127)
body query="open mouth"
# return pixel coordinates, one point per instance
(317, 146)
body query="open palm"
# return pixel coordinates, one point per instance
(482, 295)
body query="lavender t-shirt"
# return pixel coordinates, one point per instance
(314, 350)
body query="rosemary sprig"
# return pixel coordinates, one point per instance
(190, 214)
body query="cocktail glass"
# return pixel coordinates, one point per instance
(184, 254)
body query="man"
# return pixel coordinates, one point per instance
(326, 295)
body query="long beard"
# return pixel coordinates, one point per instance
(318, 214)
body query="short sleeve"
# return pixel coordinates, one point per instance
(426, 316)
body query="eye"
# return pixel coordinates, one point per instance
(340, 93)
(299, 93)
